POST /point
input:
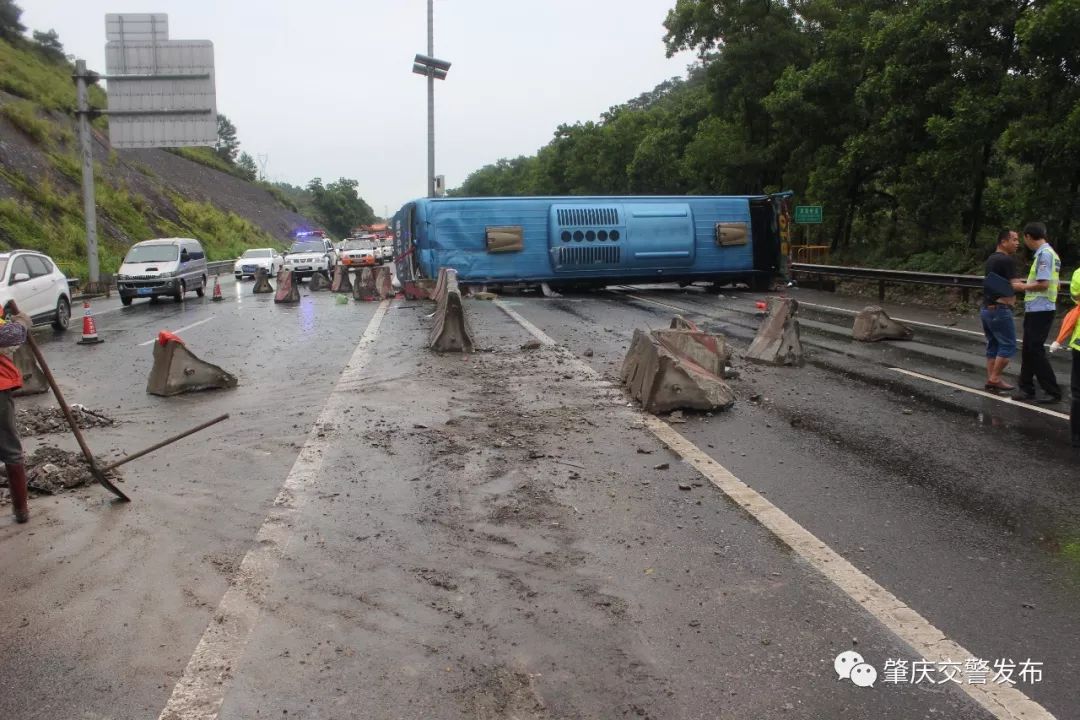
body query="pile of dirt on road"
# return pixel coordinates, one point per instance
(52, 470)
(44, 421)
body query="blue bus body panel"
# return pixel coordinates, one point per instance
(580, 238)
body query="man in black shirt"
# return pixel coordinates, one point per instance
(997, 316)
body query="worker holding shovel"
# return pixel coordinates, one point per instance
(14, 329)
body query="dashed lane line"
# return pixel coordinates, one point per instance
(1003, 702)
(201, 690)
(180, 330)
(657, 302)
(982, 393)
(848, 311)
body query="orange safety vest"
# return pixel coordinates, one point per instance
(10, 377)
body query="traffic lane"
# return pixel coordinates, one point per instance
(230, 329)
(107, 305)
(874, 363)
(105, 601)
(486, 539)
(913, 495)
(958, 357)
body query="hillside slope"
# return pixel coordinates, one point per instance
(140, 193)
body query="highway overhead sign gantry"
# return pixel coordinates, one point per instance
(161, 94)
(161, 91)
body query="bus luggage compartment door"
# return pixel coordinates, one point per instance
(659, 236)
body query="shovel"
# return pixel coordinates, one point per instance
(99, 474)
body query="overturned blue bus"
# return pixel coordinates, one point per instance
(593, 241)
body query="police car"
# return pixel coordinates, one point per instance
(311, 252)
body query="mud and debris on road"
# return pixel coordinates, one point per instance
(498, 534)
(50, 471)
(48, 420)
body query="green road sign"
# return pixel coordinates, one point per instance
(808, 214)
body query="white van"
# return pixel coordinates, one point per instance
(169, 266)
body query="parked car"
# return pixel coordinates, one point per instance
(359, 253)
(309, 255)
(386, 251)
(167, 266)
(266, 258)
(37, 286)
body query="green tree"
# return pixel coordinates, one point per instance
(246, 165)
(1045, 140)
(10, 27)
(746, 45)
(49, 44)
(338, 206)
(227, 143)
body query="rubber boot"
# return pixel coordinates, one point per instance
(17, 487)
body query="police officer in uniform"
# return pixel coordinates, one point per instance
(1040, 298)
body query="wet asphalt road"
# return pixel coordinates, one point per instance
(489, 536)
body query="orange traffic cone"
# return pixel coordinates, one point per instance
(217, 290)
(89, 329)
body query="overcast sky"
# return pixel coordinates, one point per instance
(324, 87)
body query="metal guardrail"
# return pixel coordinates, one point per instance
(217, 266)
(965, 282)
(76, 285)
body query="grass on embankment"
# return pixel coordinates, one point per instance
(45, 210)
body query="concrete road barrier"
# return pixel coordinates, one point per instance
(667, 370)
(777, 340)
(451, 332)
(318, 283)
(872, 324)
(706, 350)
(341, 283)
(364, 286)
(262, 282)
(177, 370)
(288, 291)
(680, 323)
(33, 380)
(384, 282)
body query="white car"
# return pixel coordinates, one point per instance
(309, 255)
(252, 260)
(387, 252)
(359, 253)
(37, 286)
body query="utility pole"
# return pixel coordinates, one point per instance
(82, 110)
(434, 69)
(431, 101)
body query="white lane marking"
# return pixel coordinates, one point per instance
(848, 311)
(656, 302)
(180, 330)
(200, 691)
(982, 393)
(1004, 703)
(95, 313)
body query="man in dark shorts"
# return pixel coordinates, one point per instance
(997, 310)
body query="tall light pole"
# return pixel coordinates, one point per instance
(434, 69)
